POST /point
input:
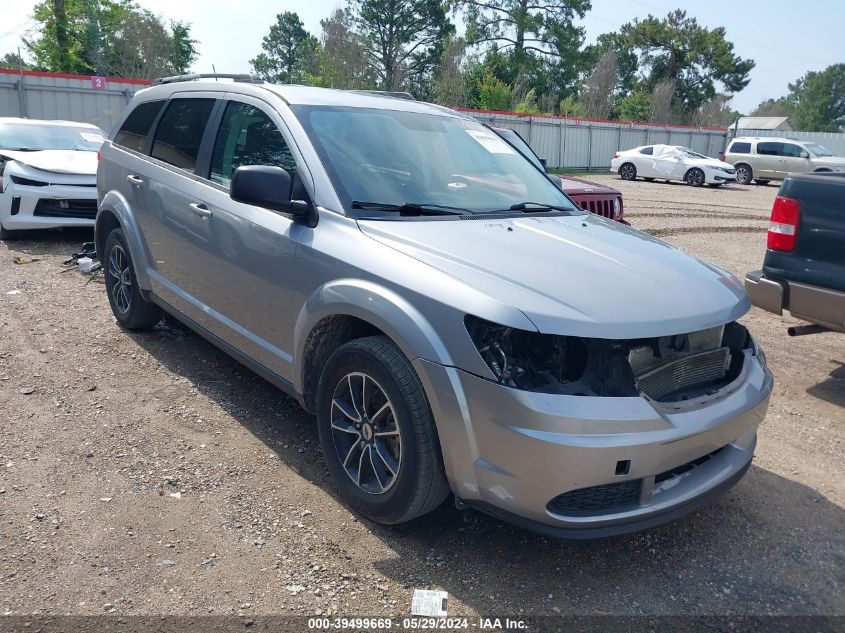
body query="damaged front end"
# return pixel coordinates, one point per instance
(665, 369)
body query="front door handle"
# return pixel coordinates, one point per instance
(201, 210)
(135, 180)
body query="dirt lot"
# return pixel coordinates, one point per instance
(151, 474)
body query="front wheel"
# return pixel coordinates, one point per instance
(628, 171)
(744, 174)
(694, 177)
(377, 433)
(131, 310)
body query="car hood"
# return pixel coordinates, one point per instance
(709, 162)
(832, 161)
(56, 161)
(577, 186)
(578, 275)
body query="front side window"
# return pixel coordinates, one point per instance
(770, 149)
(648, 151)
(792, 150)
(740, 148)
(133, 132)
(248, 136)
(33, 137)
(394, 157)
(179, 133)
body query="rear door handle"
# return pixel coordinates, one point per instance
(135, 180)
(201, 210)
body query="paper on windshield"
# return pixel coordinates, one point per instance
(491, 142)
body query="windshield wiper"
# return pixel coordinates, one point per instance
(528, 207)
(410, 208)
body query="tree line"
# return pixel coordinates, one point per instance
(527, 56)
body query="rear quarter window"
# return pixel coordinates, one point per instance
(133, 132)
(647, 150)
(770, 149)
(740, 148)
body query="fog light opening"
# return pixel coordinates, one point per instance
(623, 467)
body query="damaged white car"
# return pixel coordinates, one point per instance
(48, 174)
(672, 162)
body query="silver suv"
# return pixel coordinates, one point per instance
(764, 158)
(454, 321)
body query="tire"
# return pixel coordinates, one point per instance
(628, 171)
(760, 181)
(744, 174)
(389, 432)
(7, 235)
(131, 310)
(694, 177)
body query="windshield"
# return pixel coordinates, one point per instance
(690, 153)
(818, 150)
(399, 158)
(32, 137)
(521, 146)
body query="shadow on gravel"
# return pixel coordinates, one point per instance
(51, 241)
(832, 388)
(770, 545)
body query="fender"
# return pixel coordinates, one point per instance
(114, 202)
(374, 303)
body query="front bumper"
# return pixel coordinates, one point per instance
(23, 207)
(719, 177)
(822, 306)
(514, 453)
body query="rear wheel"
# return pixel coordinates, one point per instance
(694, 177)
(131, 310)
(377, 432)
(628, 171)
(744, 174)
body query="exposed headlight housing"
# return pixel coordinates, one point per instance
(666, 368)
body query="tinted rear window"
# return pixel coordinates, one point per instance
(647, 150)
(770, 149)
(179, 133)
(740, 148)
(135, 128)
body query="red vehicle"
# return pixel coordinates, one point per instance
(590, 196)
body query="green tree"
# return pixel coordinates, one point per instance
(634, 107)
(288, 50)
(493, 94)
(405, 40)
(679, 49)
(342, 55)
(114, 37)
(774, 107)
(13, 60)
(818, 100)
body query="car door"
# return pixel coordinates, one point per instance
(245, 276)
(167, 186)
(767, 163)
(795, 159)
(642, 160)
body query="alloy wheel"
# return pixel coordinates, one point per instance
(627, 171)
(695, 178)
(365, 433)
(121, 286)
(742, 175)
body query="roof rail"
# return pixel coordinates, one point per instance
(407, 96)
(241, 77)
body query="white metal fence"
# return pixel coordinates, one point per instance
(586, 144)
(97, 100)
(833, 141)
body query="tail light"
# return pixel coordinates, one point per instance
(98, 156)
(615, 154)
(724, 158)
(783, 226)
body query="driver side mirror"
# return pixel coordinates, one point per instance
(269, 187)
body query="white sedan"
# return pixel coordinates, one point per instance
(672, 162)
(48, 174)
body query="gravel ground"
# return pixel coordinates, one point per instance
(150, 474)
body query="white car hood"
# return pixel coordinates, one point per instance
(578, 275)
(56, 161)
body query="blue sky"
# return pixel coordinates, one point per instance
(786, 38)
